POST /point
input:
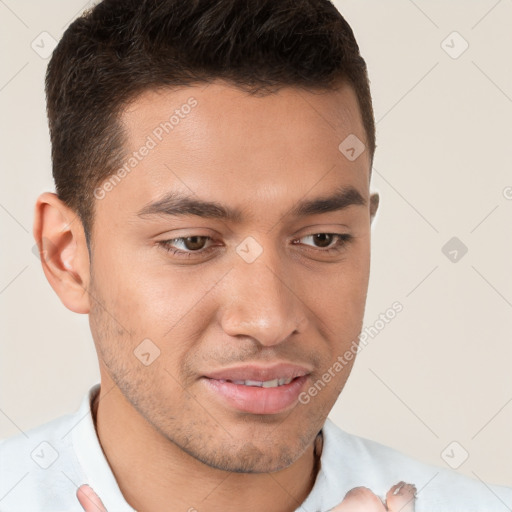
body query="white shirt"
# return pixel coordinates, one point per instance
(41, 470)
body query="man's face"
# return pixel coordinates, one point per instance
(269, 286)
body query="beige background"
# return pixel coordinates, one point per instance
(440, 371)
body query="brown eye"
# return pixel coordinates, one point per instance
(323, 239)
(194, 243)
(187, 245)
(325, 242)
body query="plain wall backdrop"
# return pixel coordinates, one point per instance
(434, 382)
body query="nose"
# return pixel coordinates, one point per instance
(261, 301)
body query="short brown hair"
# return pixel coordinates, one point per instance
(121, 48)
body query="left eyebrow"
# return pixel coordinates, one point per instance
(341, 199)
(178, 205)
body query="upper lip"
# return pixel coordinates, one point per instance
(259, 373)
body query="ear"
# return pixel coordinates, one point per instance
(63, 251)
(374, 204)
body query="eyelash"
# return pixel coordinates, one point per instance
(343, 239)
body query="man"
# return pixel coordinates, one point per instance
(212, 162)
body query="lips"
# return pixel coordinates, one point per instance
(260, 373)
(257, 389)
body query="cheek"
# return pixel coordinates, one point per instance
(152, 301)
(338, 291)
(146, 289)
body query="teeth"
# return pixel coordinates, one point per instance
(265, 384)
(255, 383)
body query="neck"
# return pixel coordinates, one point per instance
(154, 474)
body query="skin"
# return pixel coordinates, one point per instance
(294, 303)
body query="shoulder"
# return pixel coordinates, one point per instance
(38, 467)
(365, 462)
(35, 445)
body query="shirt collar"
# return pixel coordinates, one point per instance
(99, 475)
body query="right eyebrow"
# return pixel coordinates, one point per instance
(178, 204)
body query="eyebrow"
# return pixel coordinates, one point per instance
(177, 204)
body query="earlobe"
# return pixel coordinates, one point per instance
(60, 237)
(374, 204)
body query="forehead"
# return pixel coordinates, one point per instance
(295, 115)
(218, 141)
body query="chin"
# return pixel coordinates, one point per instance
(258, 465)
(248, 458)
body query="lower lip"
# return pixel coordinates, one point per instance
(258, 400)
